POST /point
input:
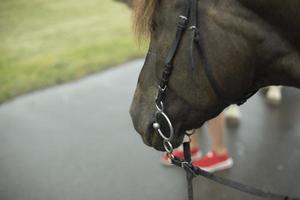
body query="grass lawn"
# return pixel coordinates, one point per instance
(47, 42)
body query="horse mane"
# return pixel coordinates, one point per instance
(143, 13)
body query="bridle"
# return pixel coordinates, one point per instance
(188, 21)
(189, 16)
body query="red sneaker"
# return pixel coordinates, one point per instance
(213, 162)
(195, 155)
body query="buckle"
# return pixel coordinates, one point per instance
(193, 28)
(182, 22)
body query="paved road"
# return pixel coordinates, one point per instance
(76, 142)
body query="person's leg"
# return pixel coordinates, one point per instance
(218, 158)
(216, 128)
(194, 140)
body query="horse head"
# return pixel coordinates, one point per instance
(231, 37)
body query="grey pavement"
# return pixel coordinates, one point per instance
(76, 142)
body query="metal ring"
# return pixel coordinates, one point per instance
(171, 156)
(162, 89)
(190, 132)
(169, 123)
(184, 163)
(183, 17)
(187, 138)
(161, 108)
(168, 146)
(192, 28)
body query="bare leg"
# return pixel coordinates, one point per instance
(216, 130)
(218, 158)
(194, 141)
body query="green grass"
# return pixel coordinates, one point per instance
(47, 42)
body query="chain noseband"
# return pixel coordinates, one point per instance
(163, 85)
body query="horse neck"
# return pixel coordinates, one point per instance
(279, 52)
(285, 71)
(279, 62)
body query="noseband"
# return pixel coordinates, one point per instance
(189, 16)
(187, 21)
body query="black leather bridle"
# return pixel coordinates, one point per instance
(188, 21)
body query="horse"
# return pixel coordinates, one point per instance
(249, 44)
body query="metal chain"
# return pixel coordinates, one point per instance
(163, 86)
(161, 115)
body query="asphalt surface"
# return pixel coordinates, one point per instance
(76, 142)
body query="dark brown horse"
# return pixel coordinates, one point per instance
(248, 43)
